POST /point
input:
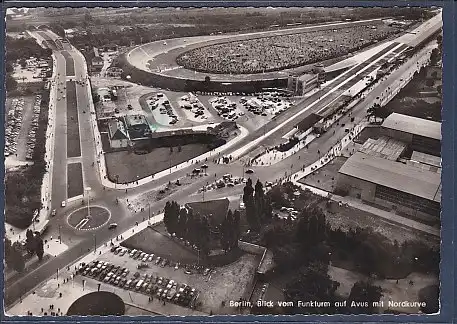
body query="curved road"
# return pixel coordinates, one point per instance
(80, 242)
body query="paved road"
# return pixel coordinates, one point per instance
(83, 241)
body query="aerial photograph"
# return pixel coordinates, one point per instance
(222, 161)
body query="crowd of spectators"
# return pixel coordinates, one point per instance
(284, 51)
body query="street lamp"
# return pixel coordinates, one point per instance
(88, 200)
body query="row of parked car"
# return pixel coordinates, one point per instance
(165, 107)
(225, 108)
(13, 126)
(191, 103)
(31, 138)
(148, 284)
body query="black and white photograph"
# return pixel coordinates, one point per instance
(203, 161)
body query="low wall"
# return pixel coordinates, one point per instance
(251, 248)
(187, 85)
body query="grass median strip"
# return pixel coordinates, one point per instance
(75, 179)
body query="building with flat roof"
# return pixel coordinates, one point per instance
(137, 126)
(302, 84)
(395, 185)
(421, 134)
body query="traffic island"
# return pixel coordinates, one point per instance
(89, 218)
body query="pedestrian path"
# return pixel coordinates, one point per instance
(65, 281)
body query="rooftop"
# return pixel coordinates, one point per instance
(117, 129)
(307, 77)
(396, 175)
(384, 147)
(134, 120)
(426, 159)
(413, 125)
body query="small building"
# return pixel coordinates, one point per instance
(394, 185)
(421, 134)
(137, 127)
(70, 33)
(105, 94)
(97, 64)
(97, 61)
(114, 72)
(118, 135)
(302, 84)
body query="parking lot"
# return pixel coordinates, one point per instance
(162, 110)
(21, 125)
(250, 111)
(204, 289)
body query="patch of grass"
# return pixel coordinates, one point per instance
(159, 159)
(74, 179)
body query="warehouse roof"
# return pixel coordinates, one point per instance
(395, 175)
(413, 125)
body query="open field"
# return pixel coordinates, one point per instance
(75, 179)
(159, 159)
(163, 246)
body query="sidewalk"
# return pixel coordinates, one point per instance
(48, 292)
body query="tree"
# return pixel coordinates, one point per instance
(366, 258)
(181, 226)
(362, 296)
(30, 242)
(430, 83)
(434, 57)
(40, 248)
(16, 258)
(377, 111)
(251, 212)
(312, 283)
(170, 217)
(11, 83)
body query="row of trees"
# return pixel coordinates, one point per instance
(183, 223)
(310, 244)
(14, 257)
(257, 204)
(24, 48)
(14, 252)
(312, 283)
(377, 111)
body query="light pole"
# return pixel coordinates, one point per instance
(60, 235)
(88, 200)
(149, 207)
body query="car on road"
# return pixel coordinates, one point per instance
(63, 204)
(249, 171)
(112, 226)
(54, 212)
